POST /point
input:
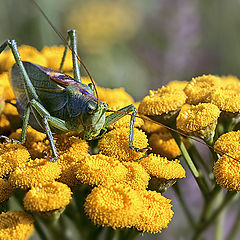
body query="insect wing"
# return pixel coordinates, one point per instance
(53, 96)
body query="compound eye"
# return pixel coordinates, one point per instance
(91, 108)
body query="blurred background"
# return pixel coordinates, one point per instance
(138, 45)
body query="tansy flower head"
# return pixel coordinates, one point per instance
(115, 144)
(100, 170)
(5, 190)
(177, 84)
(65, 144)
(164, 101)
(54, 56)
(16, 225)
(11, 156)
(114, 97)
(70, 144)
(71, 151)
(200, 120)
(5, 84)
(227, 100)
(164, 144)
(124, 121)
(68, 163)
(115, 206)
(227, 171)
(50, 197)
(198, 88)
(137, 177)
(35, 173)
(27, 53)
(156, 213)
(230, 82)
(31, 137)
(150, 127)
(228, 142)
(160, 167)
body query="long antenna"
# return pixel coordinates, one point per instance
(177, 131)
(66, 43)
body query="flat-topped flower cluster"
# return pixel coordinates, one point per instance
(125, 186)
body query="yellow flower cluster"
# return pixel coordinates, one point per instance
(5, 190)
(16, 225)
(226, 169)
(12, 155)
(115, 144)
(120, 177)
(162, 168)
(162, 101)
(34, 173)
(50, 197)
(49, 57)
(147, 211)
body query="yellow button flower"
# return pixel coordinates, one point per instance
(228, 142)
(198, 88)
(31, 137)
(230, 82)
(35, 173)
(11, 156)
(163, 101)
(27, 53)
(150, 127)
(226, 100)
(164, 144)
(137, 177)
(156, 213)
(160, 167)
(50, 197)
(16, 225)
(5, 190)
(115, 206)
(177, 84)
(227, 171)
(200, 120)
(115, 144)
(114, 97)
(100, 170)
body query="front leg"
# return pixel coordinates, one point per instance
(112, 118)
(48, 121)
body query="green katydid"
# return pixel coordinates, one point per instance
(54, 102)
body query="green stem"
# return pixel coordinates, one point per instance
(210, 201)
(196, 172)
(219, 221)
(228, 197)
(198, 156)
(235, 228)
(184, 206)
(39, 230)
